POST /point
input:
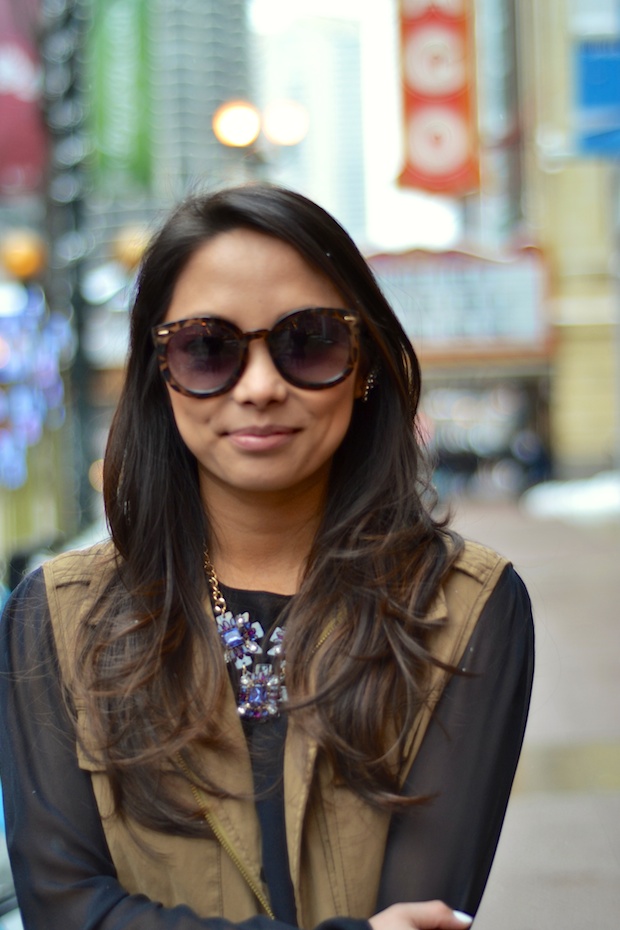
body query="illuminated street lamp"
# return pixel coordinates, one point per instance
(285, 122)
(238, 124)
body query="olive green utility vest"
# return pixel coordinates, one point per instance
(336, 841)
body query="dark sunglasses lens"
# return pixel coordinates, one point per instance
(312, 348)
(204, 359)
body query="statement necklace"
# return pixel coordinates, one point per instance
(261, 683)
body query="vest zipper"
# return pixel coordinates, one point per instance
(327, 632)
(217, 828)
(225, 843)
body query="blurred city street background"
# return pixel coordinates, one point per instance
(471, 148)
(558, 861)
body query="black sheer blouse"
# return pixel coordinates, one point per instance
(63, 872)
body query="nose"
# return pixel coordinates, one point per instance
(261, 383)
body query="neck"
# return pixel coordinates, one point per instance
(262, 541)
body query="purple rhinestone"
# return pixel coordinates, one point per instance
(257, 695)
(232, 638)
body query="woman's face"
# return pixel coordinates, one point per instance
(264, 434)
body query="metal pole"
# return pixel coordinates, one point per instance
(65, 24)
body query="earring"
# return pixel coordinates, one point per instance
(371, 380)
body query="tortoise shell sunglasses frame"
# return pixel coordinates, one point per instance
(211, 354)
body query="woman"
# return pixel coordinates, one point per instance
(284, 690)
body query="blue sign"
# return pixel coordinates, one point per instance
(597, 105)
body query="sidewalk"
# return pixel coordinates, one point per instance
(558, 862)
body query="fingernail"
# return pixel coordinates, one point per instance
(464, 918)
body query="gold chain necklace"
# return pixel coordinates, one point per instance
(262, 691)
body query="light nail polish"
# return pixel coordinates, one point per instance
(466, 919)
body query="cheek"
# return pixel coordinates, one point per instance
(337, 417)
(191, 417)
(177, 408)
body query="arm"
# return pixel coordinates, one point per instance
(63, 872)
(444, 847)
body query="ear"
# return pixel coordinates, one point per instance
(364, 367)
(360, 383)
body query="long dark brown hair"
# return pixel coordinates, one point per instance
(376, 563)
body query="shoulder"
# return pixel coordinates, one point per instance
(478, 562)
(473, 576)
(75, 584)
(76, 571)
(26, 604)
(484, 594)
(81, 568)
(491, 577)
(25, 634)
(462, 596)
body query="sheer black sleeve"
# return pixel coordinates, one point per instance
(63, 872)
(444, 847)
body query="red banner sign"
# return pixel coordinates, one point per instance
(438, 73)
(22, 133)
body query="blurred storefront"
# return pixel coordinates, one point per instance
(480, 327)
(513, 108)
(477, 314)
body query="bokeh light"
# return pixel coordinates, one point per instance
(236, 124)
(95, 475)
(23, 253)
(285, 122)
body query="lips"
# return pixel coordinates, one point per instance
(256, 430)
(269, 430)
(261, 438)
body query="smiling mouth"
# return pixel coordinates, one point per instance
(263, 431)
(261, 438)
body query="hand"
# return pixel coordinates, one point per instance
(422, 915)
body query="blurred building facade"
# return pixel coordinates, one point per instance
(548, 149)
(118, 96)
(129, 91)
(316, 61)
(36, 342)
(570, 201)
(476, 310)
(537, 190)
(154, 75)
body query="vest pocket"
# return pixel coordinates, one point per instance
(168, 869)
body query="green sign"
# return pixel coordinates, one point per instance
(121, 92)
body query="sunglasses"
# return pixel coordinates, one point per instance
(312, 348)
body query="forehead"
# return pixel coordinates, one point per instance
(244, 274)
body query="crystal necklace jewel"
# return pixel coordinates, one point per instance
(261, 684)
